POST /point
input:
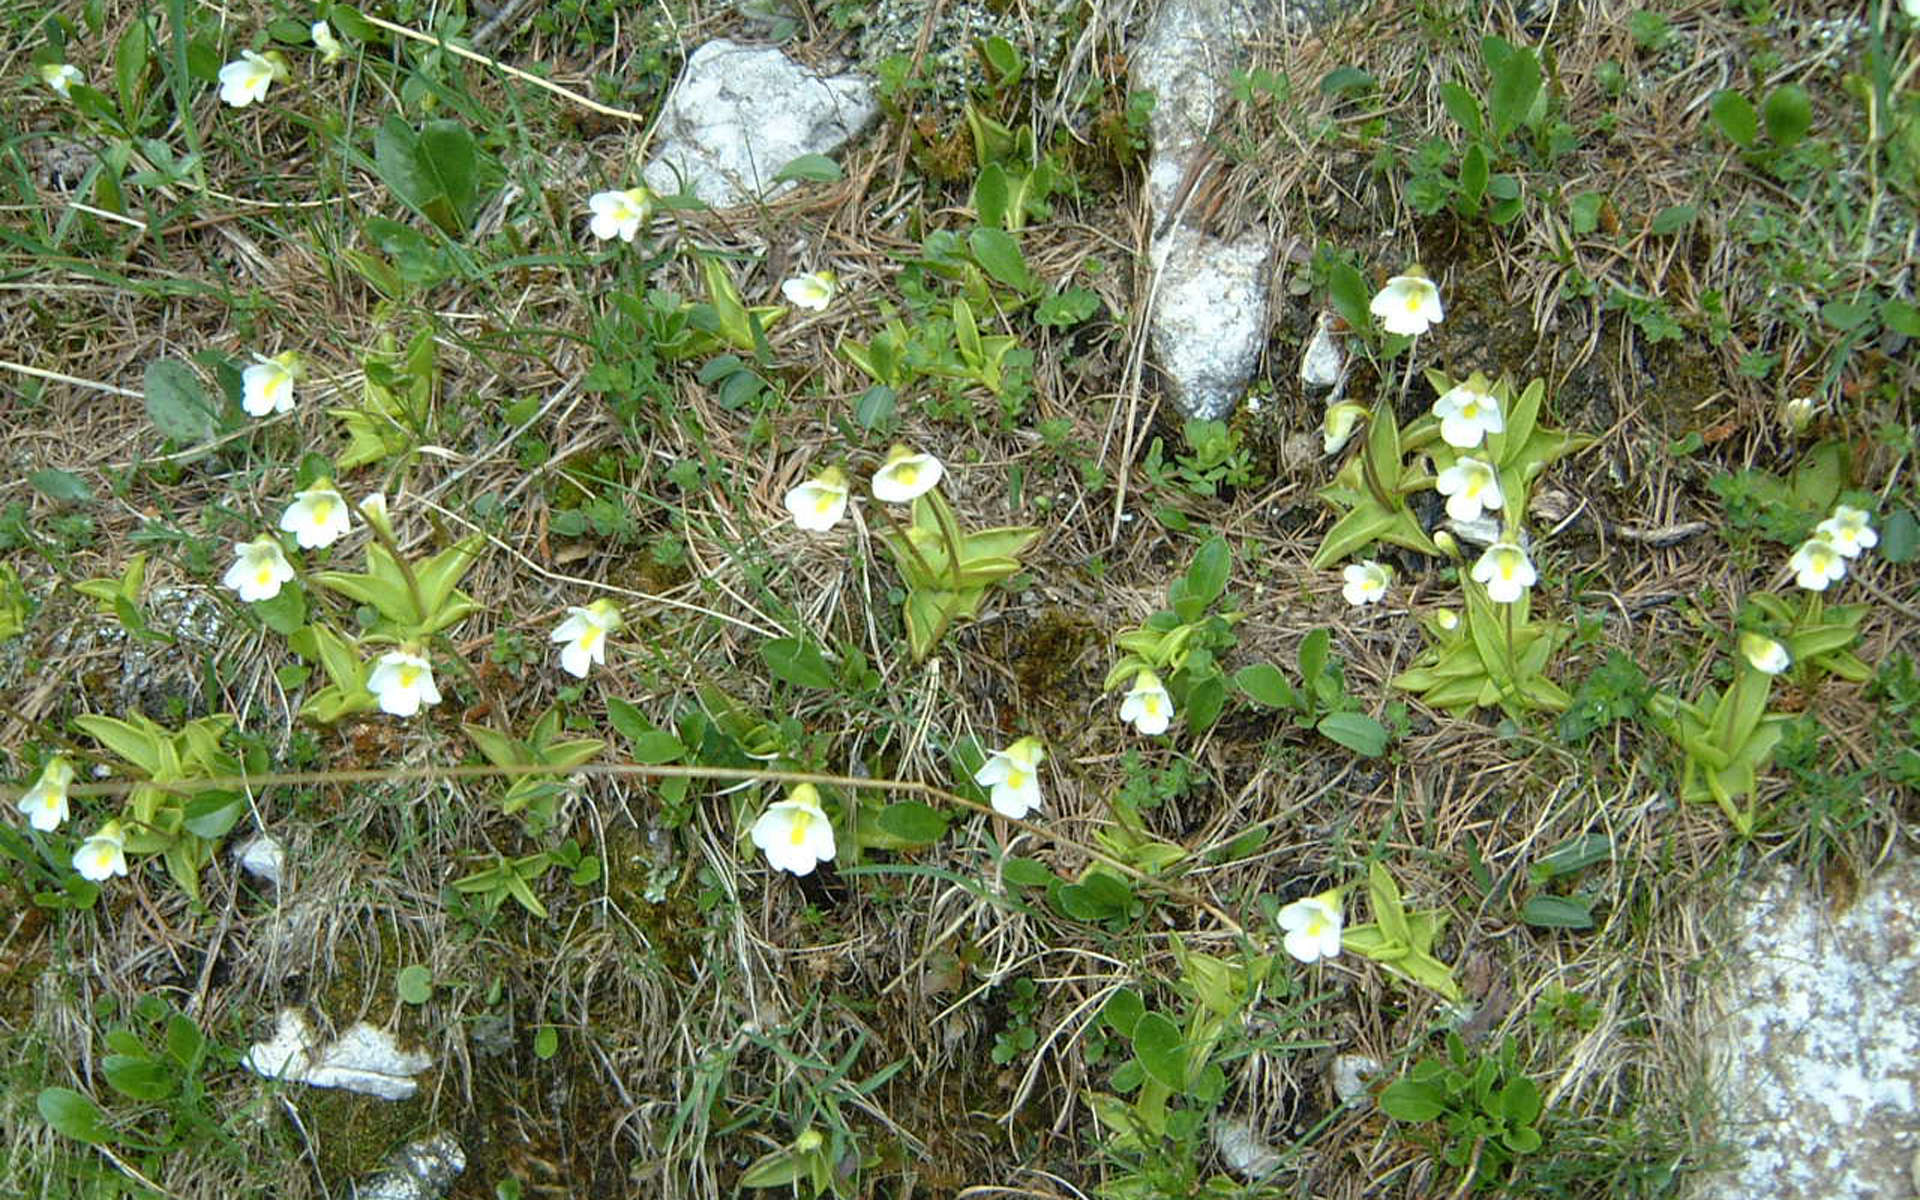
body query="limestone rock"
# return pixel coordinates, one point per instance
(363, 1059)
(740, 113)
(1209, 316)
(263, 858)
(422, 1170)
(1816, 1038)
(1209, 297)
(1351, 1074)
(1242, 1149)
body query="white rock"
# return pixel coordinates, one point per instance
(422, 1170)
(1209, 319)
(740, 113)
(1324, 364)
(363, 1059)
(1242, 1149)
(1815, 1030)
(1351, 1074)
(1209, 316)
(262, 857)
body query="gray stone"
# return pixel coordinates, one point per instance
(422, 1170)
(1323, 364)
(262, 858)
(1209, 316)
(1209, 297)
(1351, 1074)
(1242, 1149)
(740, 113)
(1815, 1036)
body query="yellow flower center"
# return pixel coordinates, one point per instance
(1413, 300)
(1016, 779)
(822, 503)
(590, 637)
(409, 675)
(265, 577)
(907, 474)
(1150, 704)
(802, 821)
(322, 510)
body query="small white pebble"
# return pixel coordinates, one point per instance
(262, 857)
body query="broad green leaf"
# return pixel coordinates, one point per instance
(1516, 83)
(1405, 1100)
(990, 197)
(1464, 107)
(809, 168)
(211, 814)
(450, 164)
(1162, 1051)
(775, 1169)
(999, 256)
(913, 822)
(797, 661)
(1672, 219)
(63, 486)
(1314, 649)
(1788, 113)
(1207, 575)
(414, 984)
(139, 746)
(138, 1077)
(1557, 912)
(658, 747)
(1357, 732)
(1123, 1012)
(1733, 114)
(176, 403)
(71, 1114)
(1205, 699)
(1349, 294)
(1264, 684)
(1026, 872)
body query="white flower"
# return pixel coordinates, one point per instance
(1816, 564)
(1767, 656)
(1467, 415)
(795, 833)
(45, 803)
(811, 292)
(1796, 414)
(1013, 775)
(248, 77)
(1313, 927)
(818, 504)
(1148, 706)
(1505, 572)
(317, 517)
(1470, 486)
(61, 77)
(374, 509)
(1337, 427)
(258, 570)
(1409, 304)
(1848, 531)
(402, 681)
(620, 214)
(103, 855)
(329, 45)
(906, 476)
(1366, 582)
(1912, 8)
(584, 634)
(267, 385)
